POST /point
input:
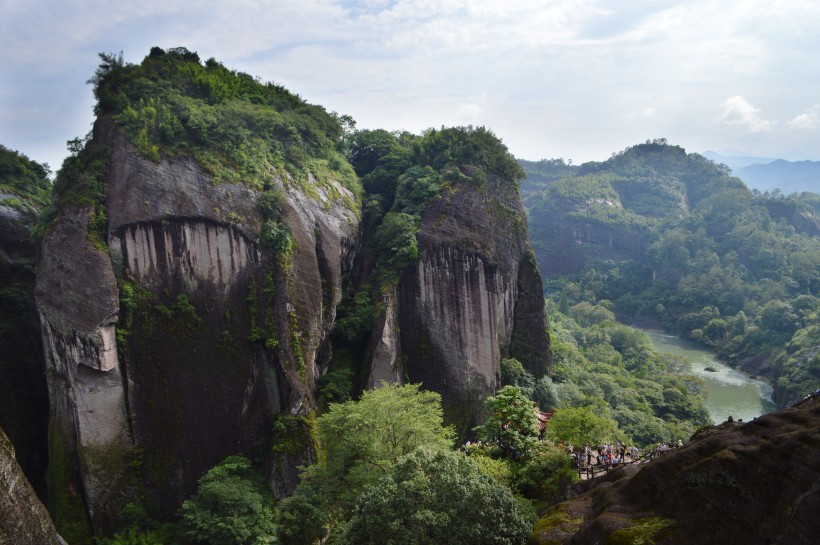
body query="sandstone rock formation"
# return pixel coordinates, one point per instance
(186, 387)
(23, 519)
(23, 394)
(474, 297)
(184, 314)
(753, 483)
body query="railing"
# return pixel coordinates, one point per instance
(590, 471)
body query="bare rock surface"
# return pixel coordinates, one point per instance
(23, 518)
(459, 305)
(217, 336)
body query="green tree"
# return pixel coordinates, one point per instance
(514, 374)
(395, 243)
(588, 314)
(416, 189)
(511, 422)
(547, 475)
(360, 442)
(437, 497)
(232, 506)
(366, 437)
(580, 426)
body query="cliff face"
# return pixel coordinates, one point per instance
(473, 297)
(752, 483)
(23, 519)
(23, 395)
(568, 245)
(182, 315)
(177, 344)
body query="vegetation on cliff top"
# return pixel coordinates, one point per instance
(735, 269)
(235, 126)
(403, 173)
(24, 182)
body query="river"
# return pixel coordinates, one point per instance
(730, 392)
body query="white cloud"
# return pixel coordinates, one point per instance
(738, 111)
(474, 111)
(557, 72)
(470, 111)
(808, 120)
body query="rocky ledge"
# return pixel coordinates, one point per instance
(753, 483)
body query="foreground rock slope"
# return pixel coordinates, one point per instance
(752, 483)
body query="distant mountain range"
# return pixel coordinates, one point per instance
(767, 174)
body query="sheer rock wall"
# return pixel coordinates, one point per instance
(173, 376)
(459, 306)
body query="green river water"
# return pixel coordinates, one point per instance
(730, 392)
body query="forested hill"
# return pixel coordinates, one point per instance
(672, 239)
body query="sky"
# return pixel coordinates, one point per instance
(576, 79)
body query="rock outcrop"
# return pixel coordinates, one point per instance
(23, 394)
(176, 344)
(565, 244)
(183, 314)
(468, 301)
(23, 518)
(752, 483)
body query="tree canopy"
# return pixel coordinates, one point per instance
(582, 426)
(693, 249)
(510, 423)
(437, 497)
(232, 506)
(360, 442)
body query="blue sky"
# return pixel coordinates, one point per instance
(578, 79)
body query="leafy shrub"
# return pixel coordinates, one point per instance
(395, 244)
(232, 506)
(546, 475)
(437, 497)
(417, 187)
(356, 315)
(336, 386)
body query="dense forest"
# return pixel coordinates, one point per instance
(670, 239)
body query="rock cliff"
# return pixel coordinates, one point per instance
(23, 518)
(175, 346)
(474, 297)
(24, 191)
(566, 245)
(751, 483)
(190, 277)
